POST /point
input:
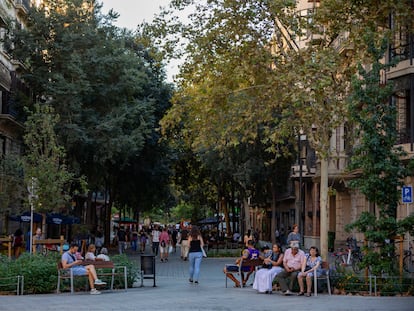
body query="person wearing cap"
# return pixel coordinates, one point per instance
(249, 253)
(69, 261)
(292, 264)
(272, 266)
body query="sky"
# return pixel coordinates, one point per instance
(134, 12)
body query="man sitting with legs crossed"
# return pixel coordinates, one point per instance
(69, 261)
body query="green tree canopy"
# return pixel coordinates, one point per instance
(44, 161)
(105, 85)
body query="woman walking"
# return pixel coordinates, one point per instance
(195, 253)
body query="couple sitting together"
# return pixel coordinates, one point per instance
(288, 266)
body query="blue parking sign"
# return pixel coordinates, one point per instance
(407, 194)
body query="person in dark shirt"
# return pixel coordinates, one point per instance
(17, 242)
(195, 254)
(174, 235)
(248, 253)
(184, 244)
(121, 239)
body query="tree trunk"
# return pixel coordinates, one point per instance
(273, 221)
(324, 214)
(246, 208)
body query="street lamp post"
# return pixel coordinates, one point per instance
(32, 197)
(301, 137)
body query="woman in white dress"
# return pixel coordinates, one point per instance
(273, 264)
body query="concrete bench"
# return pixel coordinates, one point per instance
(103, 269)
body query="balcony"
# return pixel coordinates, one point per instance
(341, 43)
(5, 78)
(400, 53)
(22, 6)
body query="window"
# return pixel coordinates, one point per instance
(401, 99)
(400, 44)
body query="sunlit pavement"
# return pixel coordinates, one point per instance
(174, 292)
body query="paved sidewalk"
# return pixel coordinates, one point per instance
(174, 292)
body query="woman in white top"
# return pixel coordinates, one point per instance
(90, 254)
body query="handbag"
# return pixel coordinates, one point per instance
(204, 252)
(170, 249)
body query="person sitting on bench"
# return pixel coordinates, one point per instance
(249, 253)
(69, 261)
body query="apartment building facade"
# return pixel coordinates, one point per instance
(346, 204)
(11, 126)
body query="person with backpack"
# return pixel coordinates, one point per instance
(164, 244)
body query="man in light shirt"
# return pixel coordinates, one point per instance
(292, 264)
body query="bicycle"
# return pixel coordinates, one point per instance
(352, 257)
(408, 260)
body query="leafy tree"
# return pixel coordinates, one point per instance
(240, 76)
(106, 87)
(44, 160)
(379, 161)
(225, 102)
(183, 211)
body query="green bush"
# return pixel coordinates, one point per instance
(224, 252)
(40, 273)
(132, 270)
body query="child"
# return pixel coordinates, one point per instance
(90, 254)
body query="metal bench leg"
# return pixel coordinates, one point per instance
(112, 278)
(58, 284)
(125, 278)
(71, 282)
(328, 282)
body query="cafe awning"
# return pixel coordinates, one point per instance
(25, 217)
(59, 219)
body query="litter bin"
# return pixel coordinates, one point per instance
(147, 268)
(331, 241)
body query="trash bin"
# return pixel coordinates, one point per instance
(331, 241)
(147, 268)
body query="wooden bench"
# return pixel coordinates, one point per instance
(7, 241)
(255, 263)
(101, 267)
(49, 244)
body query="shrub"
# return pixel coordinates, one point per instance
(40, 272)
(132, 269)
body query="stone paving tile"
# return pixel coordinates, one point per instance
(174, 292)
